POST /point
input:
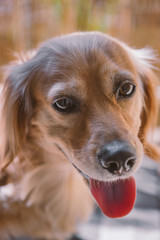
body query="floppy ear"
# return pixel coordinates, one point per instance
(17, 108)
(149, 113)
(143, 60)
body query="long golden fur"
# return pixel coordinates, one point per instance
(47, 196)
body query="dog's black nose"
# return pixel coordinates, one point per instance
(117, 157)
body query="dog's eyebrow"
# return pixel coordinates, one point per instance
(59, 87)
(123, 75)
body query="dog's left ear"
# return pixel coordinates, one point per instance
(143, 60)
(149, 113)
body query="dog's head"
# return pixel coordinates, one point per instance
(90, 95)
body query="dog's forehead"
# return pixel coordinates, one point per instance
(83, 50)
(81, 60)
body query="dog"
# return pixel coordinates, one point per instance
(75, 114)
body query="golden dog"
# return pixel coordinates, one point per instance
(83, 101)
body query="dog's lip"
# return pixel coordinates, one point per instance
(120, 177)
(86, 177)
(82, 173)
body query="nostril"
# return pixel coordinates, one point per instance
(129, 164)
(111, 166)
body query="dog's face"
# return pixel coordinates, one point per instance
(90, 105)
(87, 98)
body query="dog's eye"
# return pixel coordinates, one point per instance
(63, 105)
(126, 90)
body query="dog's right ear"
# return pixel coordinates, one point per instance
(17, 107)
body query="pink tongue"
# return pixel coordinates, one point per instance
(115, 199)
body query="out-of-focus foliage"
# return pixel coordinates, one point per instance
(25, 23)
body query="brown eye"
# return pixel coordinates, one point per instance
(126, 90)
(64, 105)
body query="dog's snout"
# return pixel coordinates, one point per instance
(117, 157)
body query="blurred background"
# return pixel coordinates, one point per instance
(26, 23)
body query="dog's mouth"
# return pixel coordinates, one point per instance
(116, 199)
